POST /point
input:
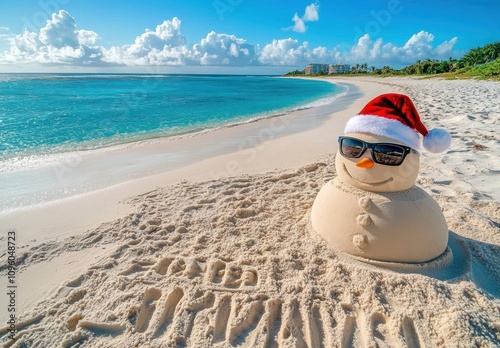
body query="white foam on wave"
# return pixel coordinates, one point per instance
(327, 100)
(20, 163)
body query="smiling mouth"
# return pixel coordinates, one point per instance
(368, 183)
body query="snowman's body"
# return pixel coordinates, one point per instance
(379, 213)
(405, 226)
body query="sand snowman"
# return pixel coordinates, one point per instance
(373, 209)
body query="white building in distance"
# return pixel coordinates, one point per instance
(339, 68)
(327, 68)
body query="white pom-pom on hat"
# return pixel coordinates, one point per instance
(394, 116)
(437, 140)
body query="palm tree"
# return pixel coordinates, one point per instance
(418, 67)
(491, 51)
(386, 70)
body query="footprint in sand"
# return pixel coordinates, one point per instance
(378, 330)
(219, 302)
(176, 315)
(411, 336)
(150, 298)
(217, 271)
(136, 267)
(233, 275)
(229, 275)
(166, 316)
(162, 266)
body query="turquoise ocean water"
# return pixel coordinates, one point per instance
(47, 113)
(47, 119)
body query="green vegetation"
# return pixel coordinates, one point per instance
(481, 63)
(296, 73)
(481, 55)
(490, 70)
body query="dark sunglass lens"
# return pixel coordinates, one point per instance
(388, 154)
(351, 147)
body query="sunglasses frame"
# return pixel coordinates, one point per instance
(367, 145)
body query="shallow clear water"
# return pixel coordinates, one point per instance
(46, 119)
(46, 113)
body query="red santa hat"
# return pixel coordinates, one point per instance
(394, 116)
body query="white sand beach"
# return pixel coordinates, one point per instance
(219, 251)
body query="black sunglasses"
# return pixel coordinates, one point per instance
(382, 153)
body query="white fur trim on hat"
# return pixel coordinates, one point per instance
(437, 140)
(384, 127)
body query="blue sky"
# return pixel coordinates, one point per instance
(217, 36)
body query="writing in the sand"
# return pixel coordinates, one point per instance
(11, 283)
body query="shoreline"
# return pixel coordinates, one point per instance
(36, 158)
(46, 178)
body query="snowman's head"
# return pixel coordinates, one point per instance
(378, 149)
(376, 163)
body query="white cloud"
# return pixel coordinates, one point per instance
(167, 34)
(4, 28)
(446, 48)
(167, 46)
(310, 15)
(223, 49)
(164, 46)
(418, 46)
(87, 37)
(299, 26)
(58, 42)
(60, 31)
(366, 49)
(61, 42)
(282, 52)
(288, 52)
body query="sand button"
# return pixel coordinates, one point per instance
(364, 220)
(360, 241)
(365, 203)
